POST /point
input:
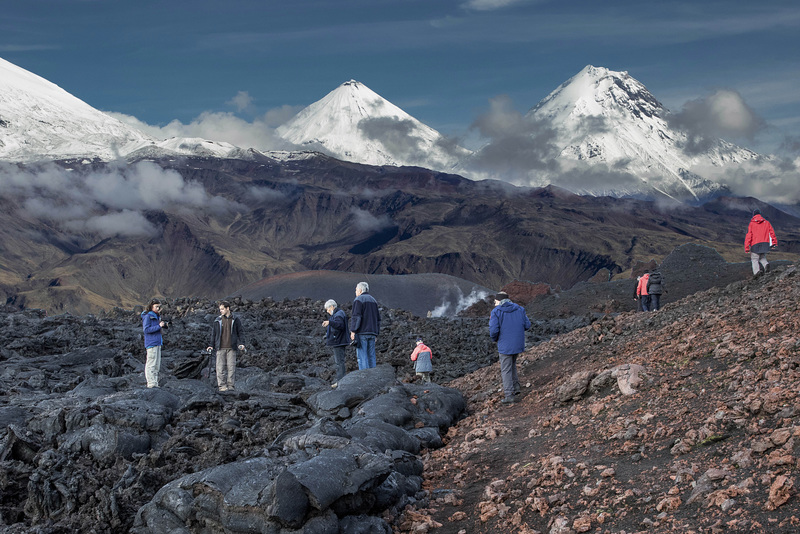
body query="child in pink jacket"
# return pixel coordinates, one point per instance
(422, 357)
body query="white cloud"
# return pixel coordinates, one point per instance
(489, 5)
(107, 202)
(771, 180)
(224, 127)
(517, 147)
(124, 223)
(367, 222)
(241, 101)
(723, 114)
(264, 194)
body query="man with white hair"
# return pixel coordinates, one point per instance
(365, 324)
(337, 336)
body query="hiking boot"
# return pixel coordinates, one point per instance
(223, 388)
(758, 274)
(508, 400)
(335, 385)
(766, 269)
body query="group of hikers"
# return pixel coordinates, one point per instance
(759, 240)
(649, 288)
(361, 332)
(507, 325)
(227, 339)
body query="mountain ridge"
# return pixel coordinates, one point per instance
(611, 137)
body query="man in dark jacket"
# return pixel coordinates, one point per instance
(337, 336)
(655, 287)
(507, 325)
(365, 324)
(759, 240)
(226, 337)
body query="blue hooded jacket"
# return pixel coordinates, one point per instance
(507, 325)
(152, 329)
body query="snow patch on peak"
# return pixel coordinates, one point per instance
(354, 123)
(39, 121)
(609, 119)
(42, 121)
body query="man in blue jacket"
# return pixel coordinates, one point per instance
(507, 326)
(365, 324)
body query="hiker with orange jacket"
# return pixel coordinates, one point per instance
(641, 291)
(759, 240)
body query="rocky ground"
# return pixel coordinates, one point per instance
(706, 441)
(706, 438)
(85, 447)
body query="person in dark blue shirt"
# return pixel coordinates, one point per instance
(337, 336)
(365, 325)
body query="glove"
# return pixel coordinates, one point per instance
(773, 247)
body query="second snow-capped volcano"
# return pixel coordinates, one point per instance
(609, 120)
(354, 123)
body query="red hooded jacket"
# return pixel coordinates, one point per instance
(759, 232)
(641, 289)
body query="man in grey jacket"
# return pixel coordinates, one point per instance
(226, 337)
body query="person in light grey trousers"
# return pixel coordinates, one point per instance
(226, 338)
(423, 361)
(759, 240)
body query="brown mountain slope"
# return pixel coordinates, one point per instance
(709, 441)
(270, 217)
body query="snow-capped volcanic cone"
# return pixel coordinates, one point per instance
(354, 123)
(609, 118)
(40, 121)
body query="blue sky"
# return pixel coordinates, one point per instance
(441, 61)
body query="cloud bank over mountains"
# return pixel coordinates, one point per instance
(107, 203)
(599, 133)
(523, 150)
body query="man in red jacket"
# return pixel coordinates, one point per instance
(759, 240)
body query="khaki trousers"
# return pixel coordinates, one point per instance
(152, 365)
(226, 358)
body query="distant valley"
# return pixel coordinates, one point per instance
(267, 217)
(96, 214)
